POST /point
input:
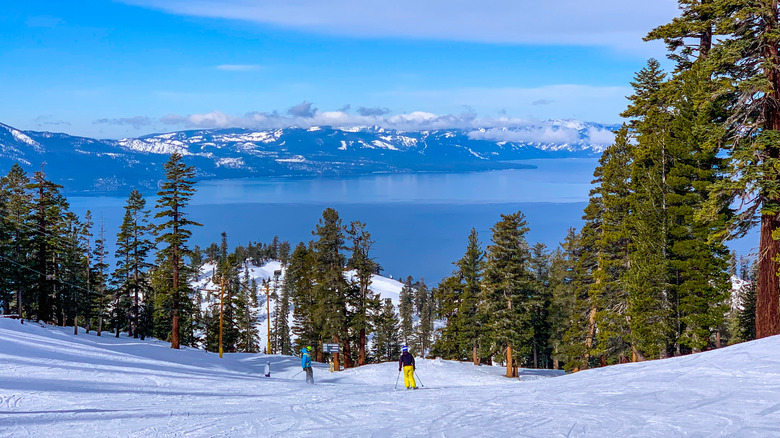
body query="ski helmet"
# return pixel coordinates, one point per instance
(404, 348)
(308, 348)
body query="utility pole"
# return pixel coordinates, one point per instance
(221, 305)
(268, 314)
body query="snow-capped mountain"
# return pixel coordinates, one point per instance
(85, 164)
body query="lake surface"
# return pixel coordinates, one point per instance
(420, 222)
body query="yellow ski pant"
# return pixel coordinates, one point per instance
(409, 377)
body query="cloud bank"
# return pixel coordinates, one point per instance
(503, 128)
(608, 23)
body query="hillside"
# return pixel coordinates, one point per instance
(95, 165)
(54, 384)
(383, 286)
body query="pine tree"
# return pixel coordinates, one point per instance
(406, 310)
(133, 250)
(447, 344)
(651, 303)
(508, 290)
(608, 291)
(562, 277)
(578, 340)
(101, 279)
(284, 252)
(540, 302)
(470, 320)
(365, 301)
(746, 319)
(48, 207)
(424, 332)
(300, 278)
(386, 344)
(72, 274)
(175, 194)
(15, 222)
(747, 65)
(331, 287)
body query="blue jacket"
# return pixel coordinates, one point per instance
(406, 360)
(305, 360)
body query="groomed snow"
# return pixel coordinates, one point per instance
(55, 384)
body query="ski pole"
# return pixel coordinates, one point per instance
(296, 374)
(396, 380)
(418, 378)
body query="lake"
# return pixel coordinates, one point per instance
(420, 221)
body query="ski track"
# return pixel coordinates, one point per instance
(55, 384)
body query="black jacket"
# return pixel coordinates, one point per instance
(406, 360)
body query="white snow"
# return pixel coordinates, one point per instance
(24, 138)
(155, 145)
(233, 163)
(384, 145)
(55, 384)
(293, 159)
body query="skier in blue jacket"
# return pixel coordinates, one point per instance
(306, 364)
(406, 362)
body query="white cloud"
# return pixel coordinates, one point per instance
(608, 23)
(550, 131)
(602, 137)
(544, 133)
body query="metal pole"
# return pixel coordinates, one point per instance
(268, 314)
(418, 378)
(221, 304)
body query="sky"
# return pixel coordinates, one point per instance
(113, 69)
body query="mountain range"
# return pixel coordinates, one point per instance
(83, 164)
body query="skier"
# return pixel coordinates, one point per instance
(306, 364)
(268, 369)
(407, 363)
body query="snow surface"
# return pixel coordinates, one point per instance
(55, 384)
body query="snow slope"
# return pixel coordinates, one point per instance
(55, 384)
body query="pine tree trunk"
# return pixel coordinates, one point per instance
(767, 311)
(336, 364)
(348, 363)
(591, 335)
(767, 305)
(175, 304)
(474, 356)
(362, 348)
(636, 356)
(509, 367)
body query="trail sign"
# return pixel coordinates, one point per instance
(330, 348)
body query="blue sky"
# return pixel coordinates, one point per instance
(127, 68)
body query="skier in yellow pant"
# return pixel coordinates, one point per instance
(407, 363)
